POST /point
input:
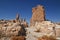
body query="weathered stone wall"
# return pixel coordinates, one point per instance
(38, 14)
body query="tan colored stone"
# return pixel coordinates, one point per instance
(38, 14)
(57, 32)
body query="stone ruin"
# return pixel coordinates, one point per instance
(13, 28)
(19, 29)
(38, 14)
(40, 27)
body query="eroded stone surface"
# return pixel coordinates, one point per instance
(38, 14)
(42, 28)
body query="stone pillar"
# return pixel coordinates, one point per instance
(38, 14)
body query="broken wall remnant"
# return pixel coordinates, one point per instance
(38, 14)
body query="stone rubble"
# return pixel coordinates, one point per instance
(9, 28)
(41, 29)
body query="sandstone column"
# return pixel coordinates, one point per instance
(38, 14)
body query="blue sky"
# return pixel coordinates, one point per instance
(9, 9)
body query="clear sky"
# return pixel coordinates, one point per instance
(9, 8)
